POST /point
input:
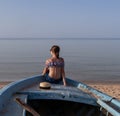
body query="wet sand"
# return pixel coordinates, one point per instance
(112, 89)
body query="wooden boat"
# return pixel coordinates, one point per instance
(26, 98)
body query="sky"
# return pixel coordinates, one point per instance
(59, 18)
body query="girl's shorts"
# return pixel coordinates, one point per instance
(51, 80)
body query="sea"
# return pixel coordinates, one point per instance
(85, 59)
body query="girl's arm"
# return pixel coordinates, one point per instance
(45, 70)
(63, 76)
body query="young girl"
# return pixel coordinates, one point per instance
(54, 67)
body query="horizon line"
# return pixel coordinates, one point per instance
(61, 38)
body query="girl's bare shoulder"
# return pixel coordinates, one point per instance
(61, 58)
(49, 60)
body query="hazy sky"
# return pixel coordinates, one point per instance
(59, 18)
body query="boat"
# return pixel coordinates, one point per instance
(26, 98)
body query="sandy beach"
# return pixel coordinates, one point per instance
(2, 84)
(112, 89)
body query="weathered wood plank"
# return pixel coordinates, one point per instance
(27, 107)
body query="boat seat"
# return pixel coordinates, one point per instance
(59, 92)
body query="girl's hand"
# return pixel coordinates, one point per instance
(64, 82)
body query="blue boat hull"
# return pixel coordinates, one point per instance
(79, 95)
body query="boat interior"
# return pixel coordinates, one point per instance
(63, 108)
(60, 101)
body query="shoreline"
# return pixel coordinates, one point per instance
(110, 88)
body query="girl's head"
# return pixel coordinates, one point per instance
(55, 50)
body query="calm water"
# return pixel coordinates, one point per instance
(84, 59)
